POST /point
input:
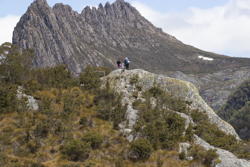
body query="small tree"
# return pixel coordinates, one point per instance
(8, 99)
(90, 78)
(140, 149)
(55, 77)
(15, 66)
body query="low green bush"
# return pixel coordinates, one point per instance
(109, 107)
(182, 156)
(84, 121)
(242, 149)
(207, 157)
(214, 136)
(16, 67)
(42, 129)
(54, 77)
(165, 99)
(94, 139)
(140, 149)
(8, 99)
(76, 150)
(211, 133)
(163, 128)
(90, 78)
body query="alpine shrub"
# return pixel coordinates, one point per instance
(140, 149)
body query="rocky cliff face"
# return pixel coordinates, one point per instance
(100, 36)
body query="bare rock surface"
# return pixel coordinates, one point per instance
(32, 103)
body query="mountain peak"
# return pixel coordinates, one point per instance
(119, 2)
(40, 2)
(39, 6)
(63, 9)
(100, 36)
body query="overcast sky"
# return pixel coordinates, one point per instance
(221, 26)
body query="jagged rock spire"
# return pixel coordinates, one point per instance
(98, 37)
(40, 2)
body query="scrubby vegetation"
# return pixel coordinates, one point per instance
(211, 133)
(161, 124)
(208, 158)
(7, 98)
(140, 149)
(77, 122)
(76, 150)
(164, 128)
(70, 123)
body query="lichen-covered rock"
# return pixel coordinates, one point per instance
(120, 81)
(227, 158)
(183, 149)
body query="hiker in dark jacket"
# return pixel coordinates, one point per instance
(126, 63)
(119, 64)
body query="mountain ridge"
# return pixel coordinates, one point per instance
(100, 36)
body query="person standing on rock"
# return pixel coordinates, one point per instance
(119, 64)
(126, 63)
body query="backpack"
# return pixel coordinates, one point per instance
(126, 61)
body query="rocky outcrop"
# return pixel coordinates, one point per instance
(227, 158)
(32, 103)
(120, 81)
(100, 36)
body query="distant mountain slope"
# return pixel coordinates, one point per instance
(100, 36)
(237, 110)
(215, 88)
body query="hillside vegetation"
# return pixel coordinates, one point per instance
(77, 123)
(237, 110)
